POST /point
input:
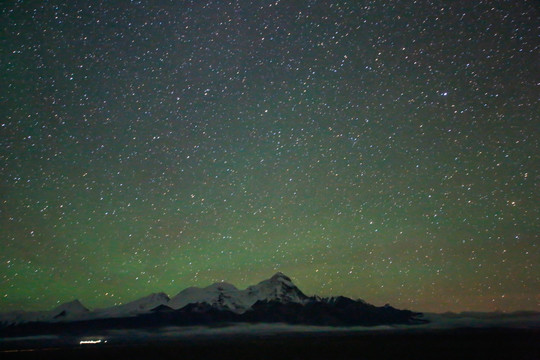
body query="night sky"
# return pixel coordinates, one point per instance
(383, 150)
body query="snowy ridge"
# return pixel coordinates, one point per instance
(69, 310)
(225, 296)
(278, 288)
(222, 296)
(135, 307)
(72, 310)
(19, 317)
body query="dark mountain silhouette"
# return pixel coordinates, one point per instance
(274, 300)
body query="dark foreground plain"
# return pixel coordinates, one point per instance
(435, 344)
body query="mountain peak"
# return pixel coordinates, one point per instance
(279, 287)
(68, 310)
(160, 296)
(150, 300)
(281, 279)
(222, 286)
(75, 302)
(74, 306)
(280, 276)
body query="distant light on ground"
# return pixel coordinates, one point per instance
(87, 342)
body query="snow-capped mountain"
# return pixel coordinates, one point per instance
(225, 296)
(276, 299)
(70, 310)
(220, 295)
(278, 288)
(139, 306)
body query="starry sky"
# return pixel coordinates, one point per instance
(383, 150)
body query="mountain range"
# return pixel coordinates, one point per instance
(276, 299)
